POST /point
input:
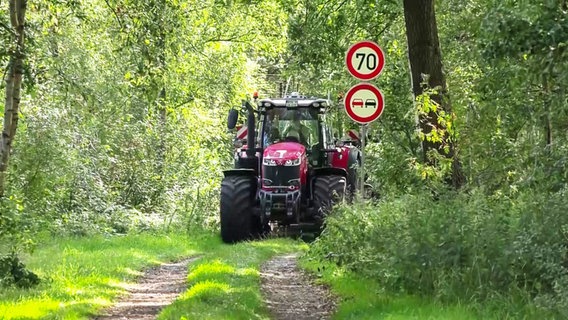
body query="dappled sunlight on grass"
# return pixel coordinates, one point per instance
(278, 244)
(28, 309)
(248, 272)
(224, 284)
(131, 272)
(83, 275)
(207, 290)
(209, 270)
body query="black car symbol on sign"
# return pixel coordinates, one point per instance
(370, 103)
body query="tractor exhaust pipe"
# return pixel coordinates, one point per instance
(251, 133)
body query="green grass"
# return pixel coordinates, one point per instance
(81, 276)
(362, 298)
(225, 284)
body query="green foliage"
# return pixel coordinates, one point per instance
(502, 240)
(14, 273)
(458, 247)
(123, 130)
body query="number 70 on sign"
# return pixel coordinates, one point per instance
(365, 60)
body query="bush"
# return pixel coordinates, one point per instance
(14, 273)
(467, 246)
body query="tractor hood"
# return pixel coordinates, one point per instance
(284, 154)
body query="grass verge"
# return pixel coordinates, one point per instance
(225, 283)
(361, 298)
(81, 276)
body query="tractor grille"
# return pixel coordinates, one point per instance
(281, 176)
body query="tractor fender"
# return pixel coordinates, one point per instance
(330, 171)
(354, 159)
(239, 172)
(353, 167)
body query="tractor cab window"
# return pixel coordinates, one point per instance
(295, 125)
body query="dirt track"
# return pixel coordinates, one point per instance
(290, 294)
(155, 290)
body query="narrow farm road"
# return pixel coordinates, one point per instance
(158, 288)
(292, 295)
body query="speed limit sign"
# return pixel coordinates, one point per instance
(365, 60)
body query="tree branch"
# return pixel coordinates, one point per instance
(115, 15)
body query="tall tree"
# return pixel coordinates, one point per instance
(14, 74)
(425, 59)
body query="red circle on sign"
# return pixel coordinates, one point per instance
(379, 64)
(351, 103)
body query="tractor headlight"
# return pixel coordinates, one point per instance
(295, 162)
(268, 162)
(294, 184)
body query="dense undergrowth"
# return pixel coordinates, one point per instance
(505, 251)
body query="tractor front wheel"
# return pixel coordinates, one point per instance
(328, 190)
(237, 199)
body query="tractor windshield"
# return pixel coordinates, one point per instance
(297, 125)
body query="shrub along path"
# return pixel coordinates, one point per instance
(290, 294)
(158, 288)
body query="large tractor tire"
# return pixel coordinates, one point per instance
(328, 190)
(237, 199)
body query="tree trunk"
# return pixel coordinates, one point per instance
(14, 74)
(162, 123)
(546, 116)
(162, 108)
(425, 60)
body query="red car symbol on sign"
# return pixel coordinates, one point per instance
(358, 103)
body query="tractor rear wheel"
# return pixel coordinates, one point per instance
(237, 199)
(328, 190)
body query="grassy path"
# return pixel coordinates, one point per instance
(83, 276)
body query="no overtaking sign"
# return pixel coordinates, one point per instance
(364, 103)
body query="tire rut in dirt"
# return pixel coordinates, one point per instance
(158, 288)
(292, 295)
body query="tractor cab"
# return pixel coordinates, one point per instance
(295, 119)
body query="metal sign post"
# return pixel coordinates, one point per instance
(364, 128)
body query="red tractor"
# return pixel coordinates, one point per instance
(289, 173)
